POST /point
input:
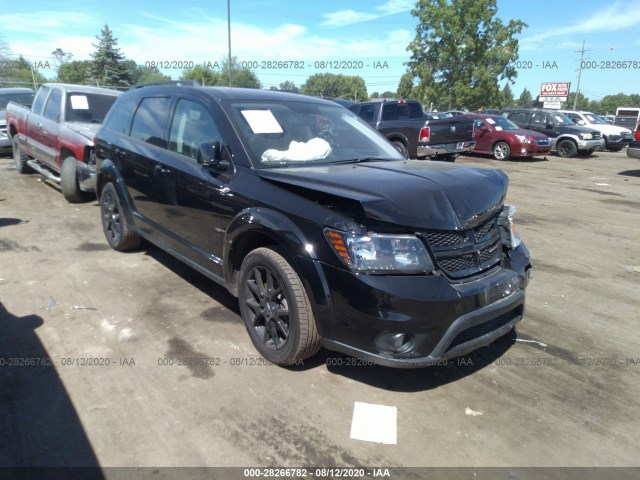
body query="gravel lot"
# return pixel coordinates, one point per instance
(561, 391)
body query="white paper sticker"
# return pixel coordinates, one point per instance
(559, 119)
(79, 102)
(262, 121)
(490, 120)
(374, 423)
(498, 128)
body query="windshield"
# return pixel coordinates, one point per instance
(22, 98)
(88, 107)
(562, 119)
(298, 133)
(501, 123)
(592, 118)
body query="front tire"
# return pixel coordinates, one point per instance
(114, 223)
(501, 151)
(276, 309)
(567, 149)
(20, 157)
(69, 181)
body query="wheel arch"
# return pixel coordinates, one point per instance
(258, 227)
(108, 173)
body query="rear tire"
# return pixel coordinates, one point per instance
(567, 149)
(20, 157)
(69, 181)
(450, 158)
(501, 151)
(275, 308)
(114, 222)
(401, 146)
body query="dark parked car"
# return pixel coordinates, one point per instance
(497, 136)
(23, 96)
(567, 138)
(322, 229)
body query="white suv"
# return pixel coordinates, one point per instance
(616, 138)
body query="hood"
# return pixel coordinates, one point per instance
(413, 193)
(87, 130)
(610, 129)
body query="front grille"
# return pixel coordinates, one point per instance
(596, 135)
(543, 143)
(464, 253)
(484, 328)
(626, 135)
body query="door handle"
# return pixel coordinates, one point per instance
(161, 171)
(39, 126)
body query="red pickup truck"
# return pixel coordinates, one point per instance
(55, 136)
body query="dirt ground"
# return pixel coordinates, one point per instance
(94, 344)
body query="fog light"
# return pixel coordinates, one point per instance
(395, 342)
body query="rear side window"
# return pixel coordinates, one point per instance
(40, 99)
(119, 118)
(52, 109)
(151, 120)
(367, 113)
(540, 120)
(521, 118)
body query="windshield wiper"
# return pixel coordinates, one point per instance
(360, 160)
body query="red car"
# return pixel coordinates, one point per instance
(500, 137)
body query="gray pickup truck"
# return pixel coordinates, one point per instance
(54, 136)
(416, 134)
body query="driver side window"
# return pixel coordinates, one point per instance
(192, 125)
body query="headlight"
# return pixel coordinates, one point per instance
(587, 136)
(508, 233)
(523, 139)
(378, 253)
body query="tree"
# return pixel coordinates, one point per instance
(461, 47)
(405, 87)
(21, 74)
(388, 94)
(75, 71)
(109, 66)
(142, 74)
(375, 95)
(288, 86)
(581, 104)
(506, 99)
(336, 86)
(207, 75)
(525, 99)
(61, 57)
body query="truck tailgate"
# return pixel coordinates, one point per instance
(451, 130)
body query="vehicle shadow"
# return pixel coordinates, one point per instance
(39, 426)
(630, 173)
(512, 159)
(393, 379)
(419, 379)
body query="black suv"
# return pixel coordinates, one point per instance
(567, 138)
(322, 229)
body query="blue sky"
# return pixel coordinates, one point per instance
(358, 34)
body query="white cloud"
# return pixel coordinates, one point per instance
(618, 16)
(348, 17)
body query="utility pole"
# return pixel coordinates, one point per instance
(229, 36)
(575, 99)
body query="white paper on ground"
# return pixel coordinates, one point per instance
(374, 423)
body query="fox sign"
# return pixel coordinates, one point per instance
(555, 89)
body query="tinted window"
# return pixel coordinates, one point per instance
(150, 121)
(367, 113)
(192, 125)
(52, 110)
(540, 120)
(88, 107)
(119, 119)
(21, 98)
(521, 118)
(40, 99)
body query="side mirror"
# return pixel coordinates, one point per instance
(549, 126)
(209, 156)
(484, 128)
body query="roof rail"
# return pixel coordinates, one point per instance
(177, 83)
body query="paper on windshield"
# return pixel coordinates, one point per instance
(490, 120)
(262, 121)
(498, 128)
(79, 102)
(559, 119)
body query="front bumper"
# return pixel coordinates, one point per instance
(633, 150)
(5, 141)
(529, 150)
(417, 321)
(425, 150)
(597, 145)
(618, 143)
